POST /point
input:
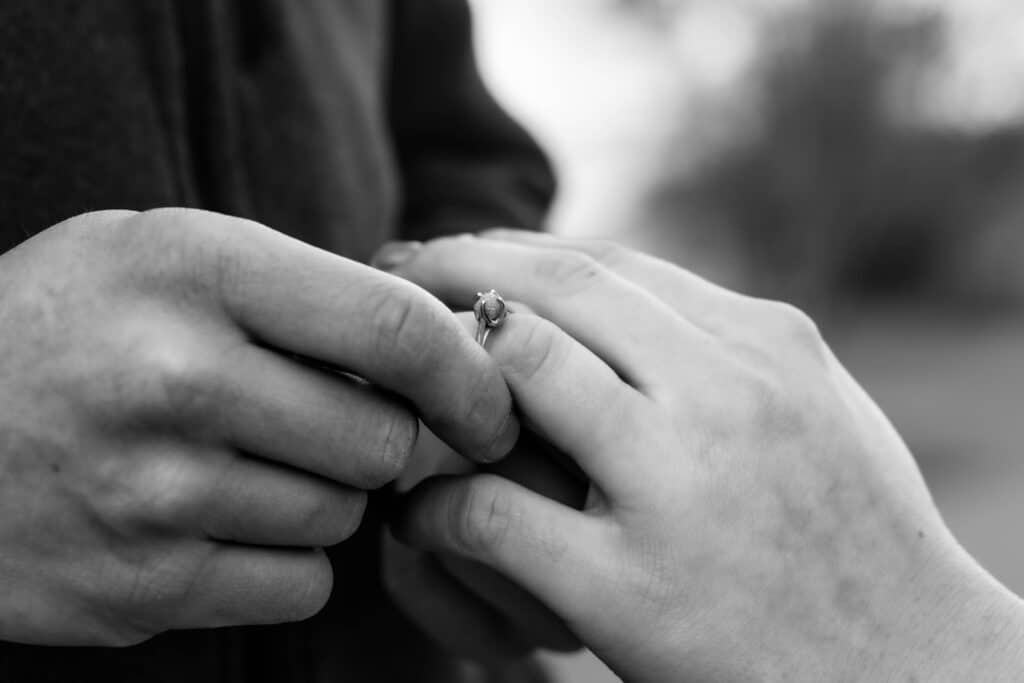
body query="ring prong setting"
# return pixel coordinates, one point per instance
(490, 311)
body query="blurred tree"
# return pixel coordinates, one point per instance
(834, 198)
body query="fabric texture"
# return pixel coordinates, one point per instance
(341, 122)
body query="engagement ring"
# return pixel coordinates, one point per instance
(490, 311)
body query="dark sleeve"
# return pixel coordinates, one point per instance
(465, 164)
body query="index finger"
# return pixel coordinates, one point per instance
(298, 298)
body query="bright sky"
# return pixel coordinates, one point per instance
(980, 84)
(983, 82)
(710, 43)
(609, 85)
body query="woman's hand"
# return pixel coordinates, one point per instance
(466, 606)
(752, 515)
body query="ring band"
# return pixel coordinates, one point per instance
(491, 311)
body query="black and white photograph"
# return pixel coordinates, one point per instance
(511, 341)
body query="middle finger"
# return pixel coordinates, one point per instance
(709, 306)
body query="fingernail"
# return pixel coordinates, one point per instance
(394, 254)
(505, 441)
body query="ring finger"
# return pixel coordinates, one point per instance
(620, 321)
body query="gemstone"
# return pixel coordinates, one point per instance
(491, 308)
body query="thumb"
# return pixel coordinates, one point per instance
(553, 551)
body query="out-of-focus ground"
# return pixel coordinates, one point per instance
(862, 159)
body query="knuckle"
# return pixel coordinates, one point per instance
(160, 489)
(607, 253)
(124, 637)
(190, 225)
(537, 347)
(173, 218)
(398, 439)
(310, 590)
(403, 325)
(161, 581)
(481, 407)
(170, 232)
(335, 517)
(179, 382)
(114, 627)
(567, 271)
(479, 517)
(102, 229)
(168, 492)
(444, 246)
(176, 216)
(198, 249)
(796, 326)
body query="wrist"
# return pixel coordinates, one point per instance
(961, 624)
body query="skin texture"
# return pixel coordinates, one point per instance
(751, 515)
(192, 406)
(471, 609)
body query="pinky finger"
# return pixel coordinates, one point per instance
(547, 548)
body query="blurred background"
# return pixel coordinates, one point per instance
(864, 160)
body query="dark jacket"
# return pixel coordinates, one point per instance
(341, 122)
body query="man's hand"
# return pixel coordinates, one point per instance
(752, 514)
(183, 423)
